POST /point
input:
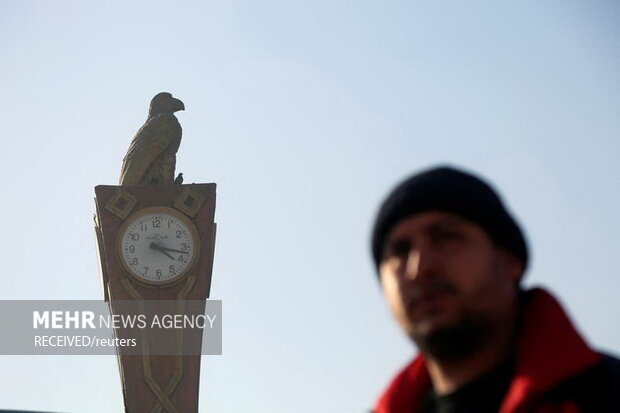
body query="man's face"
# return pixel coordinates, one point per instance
(441, 272)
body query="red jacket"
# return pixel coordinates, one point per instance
(549, 352)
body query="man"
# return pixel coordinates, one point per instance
(450, 259)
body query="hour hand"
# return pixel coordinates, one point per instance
(161, 249)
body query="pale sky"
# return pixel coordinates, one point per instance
(305, 114)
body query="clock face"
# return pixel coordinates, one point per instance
(158, 245)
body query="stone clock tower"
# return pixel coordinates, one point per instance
(156, 240)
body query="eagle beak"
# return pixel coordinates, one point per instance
(179, 105)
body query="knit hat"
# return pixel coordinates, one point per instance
(449, 190)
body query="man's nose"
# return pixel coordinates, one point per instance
(420, 263)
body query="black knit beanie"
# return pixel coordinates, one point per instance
(449, 190)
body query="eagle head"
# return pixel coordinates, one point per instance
(164, 103)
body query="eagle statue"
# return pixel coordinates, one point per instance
(151, 157)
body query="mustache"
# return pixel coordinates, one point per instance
(418, 290)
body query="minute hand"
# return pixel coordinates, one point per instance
(173, 250)
(160, 249)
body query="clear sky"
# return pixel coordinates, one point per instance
(305, 113)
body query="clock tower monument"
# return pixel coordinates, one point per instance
(156, 240)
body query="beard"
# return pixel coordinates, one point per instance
(455, 342)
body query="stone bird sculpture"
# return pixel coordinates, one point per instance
(151, 157)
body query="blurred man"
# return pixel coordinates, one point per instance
(450, 259)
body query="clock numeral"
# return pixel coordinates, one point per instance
(170, 222)
(172, 270)
(179, 233)
(134, 236)
(158, 273)
(146, 270)
(184, 246)
(156, 223)
(131, 248)
(181, 258)
(142, 226)
(134, 261)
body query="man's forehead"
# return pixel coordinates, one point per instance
(428, 220)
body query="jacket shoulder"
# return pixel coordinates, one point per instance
(595, 389)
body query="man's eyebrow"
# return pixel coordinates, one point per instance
(442, 223)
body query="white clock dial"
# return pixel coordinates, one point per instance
(158, 245)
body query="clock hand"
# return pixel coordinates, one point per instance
(168, 255)
(160, 249)
(173, 250)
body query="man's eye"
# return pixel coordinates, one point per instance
(441, 236)
(398, 249)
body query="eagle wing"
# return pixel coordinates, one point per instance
(159, 135)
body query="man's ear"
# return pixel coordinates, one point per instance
(512, 266)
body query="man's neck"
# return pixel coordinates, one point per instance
(449, 376)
